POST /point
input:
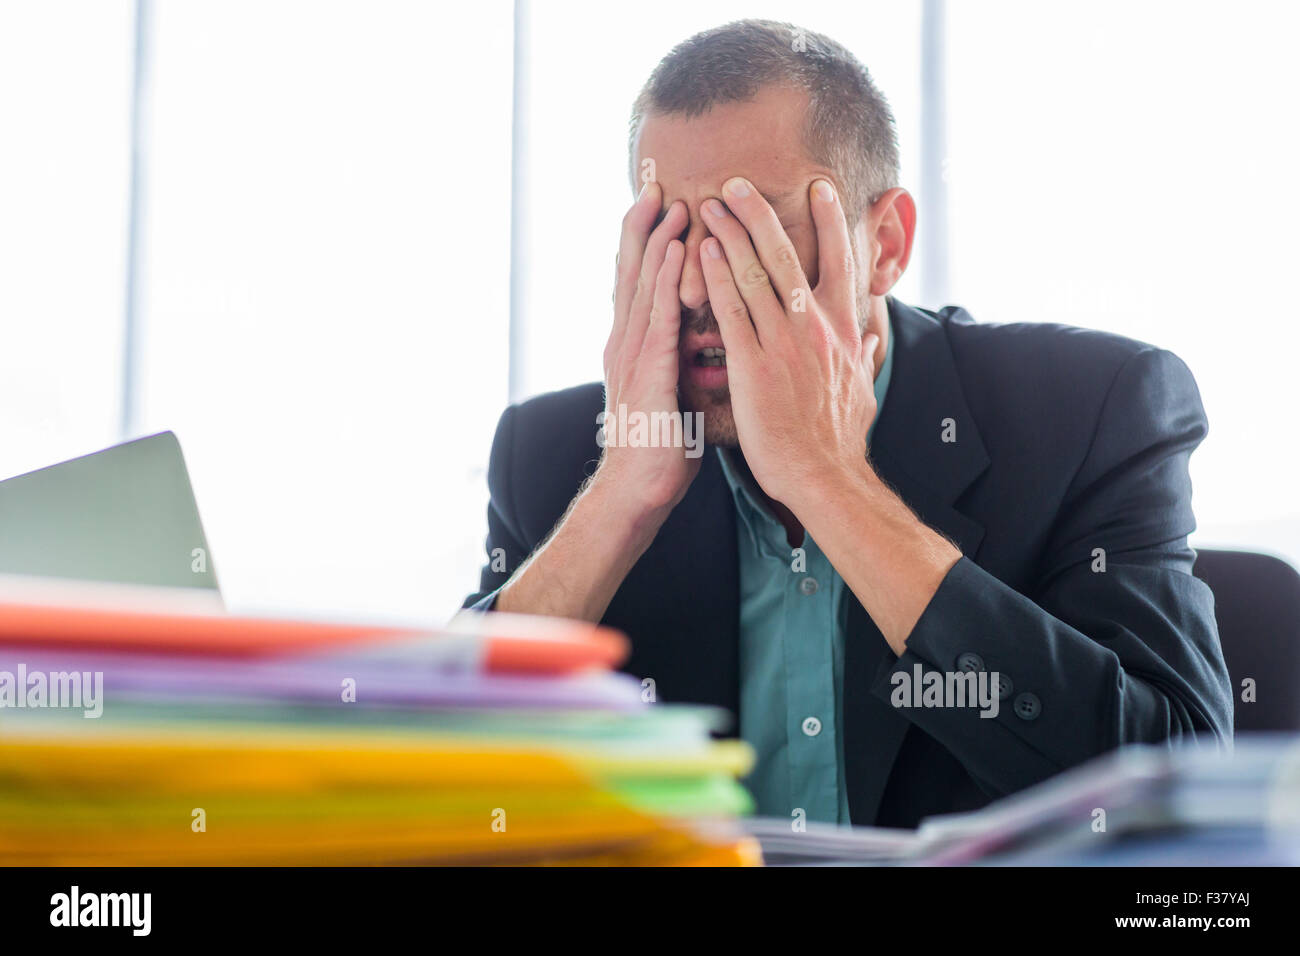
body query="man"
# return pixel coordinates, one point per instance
(893, 502)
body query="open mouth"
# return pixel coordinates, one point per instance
(711, 358)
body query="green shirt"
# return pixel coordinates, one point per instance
(792, 618)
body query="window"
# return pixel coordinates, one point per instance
(326, 276)
(1128, 167)
(65, 95)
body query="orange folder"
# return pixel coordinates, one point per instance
(144, 620)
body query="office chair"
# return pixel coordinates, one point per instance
(1257, 605)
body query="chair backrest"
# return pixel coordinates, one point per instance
(1257, 605)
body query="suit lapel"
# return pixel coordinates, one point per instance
(929, 474)
(696, 550)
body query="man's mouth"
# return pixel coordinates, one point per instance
(704, 362)
(711, 357)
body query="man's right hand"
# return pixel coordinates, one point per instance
(615, 517)
(641, 357)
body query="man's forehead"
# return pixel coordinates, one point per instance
(786, 187)
(692, 156)
(782, 198)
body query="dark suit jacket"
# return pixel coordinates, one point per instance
(1066, 441)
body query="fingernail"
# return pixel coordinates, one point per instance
(715, 208)
(713, 248)
(737, 187)
(641, 194)
(823, 190)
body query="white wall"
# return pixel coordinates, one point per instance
(1130, 167)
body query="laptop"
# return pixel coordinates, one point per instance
(125, 515)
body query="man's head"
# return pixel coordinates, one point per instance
(782, 107)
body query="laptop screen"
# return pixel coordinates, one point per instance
(125, 514)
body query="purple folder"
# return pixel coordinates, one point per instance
(392, 683)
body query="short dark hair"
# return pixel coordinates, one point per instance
(850, 127)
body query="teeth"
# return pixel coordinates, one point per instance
(711, 357)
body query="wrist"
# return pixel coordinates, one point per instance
(827, 489)
(846, 476)
(841, 496)
(621, 512)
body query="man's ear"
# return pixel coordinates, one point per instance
(891, 227)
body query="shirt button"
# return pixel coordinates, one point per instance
(808, 586)
(1027, 706)
(811, 726)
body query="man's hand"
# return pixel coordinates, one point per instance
(641, 358)
(610, 524)
(798, 366)
(802, 396)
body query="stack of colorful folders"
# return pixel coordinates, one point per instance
(137, 728)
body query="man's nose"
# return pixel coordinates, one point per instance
(692, 290)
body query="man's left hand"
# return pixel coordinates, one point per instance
(799, 368)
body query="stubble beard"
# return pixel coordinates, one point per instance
(714, 404)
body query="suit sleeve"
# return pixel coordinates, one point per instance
(505, 548)
(1117, 641)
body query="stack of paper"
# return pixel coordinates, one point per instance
(142, 728)
(1143, 805)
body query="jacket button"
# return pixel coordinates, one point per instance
(1005, 687)
(970, 661)
(1027, 706)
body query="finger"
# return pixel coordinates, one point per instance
(739, 335)
(751, 280)
(870, 342)
(638, 319)
(666, 310)
(637, 224)
(775, 250)
(835, 266)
